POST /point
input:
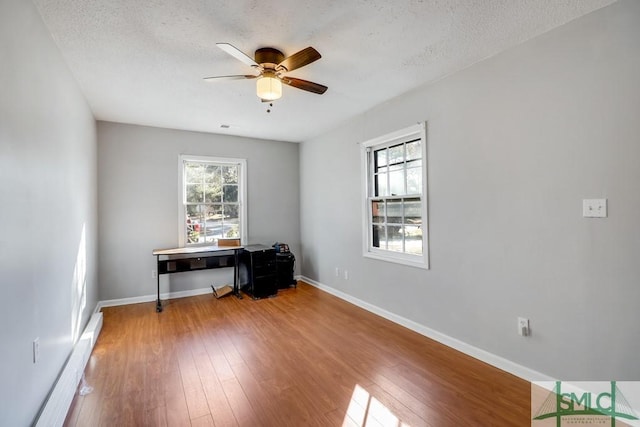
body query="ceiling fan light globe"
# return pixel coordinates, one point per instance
(269, 88)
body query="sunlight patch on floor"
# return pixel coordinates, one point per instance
(366, 411)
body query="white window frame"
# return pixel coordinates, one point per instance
(368, 250)
(242, 194)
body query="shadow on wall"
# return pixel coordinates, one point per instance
(307, 254)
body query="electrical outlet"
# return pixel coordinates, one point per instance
(36, 350)
(337, 272)
(154, 274)
(346, 275)
(523, 327)
(594, 208)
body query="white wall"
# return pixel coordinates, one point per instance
(138, 202)
(48, 222)
(514, 144)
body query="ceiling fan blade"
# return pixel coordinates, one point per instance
(237, 53)
(236, 77)
(300, 59)
(305, 85)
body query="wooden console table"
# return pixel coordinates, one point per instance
(193, 258)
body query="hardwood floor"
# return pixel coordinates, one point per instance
(304, 358)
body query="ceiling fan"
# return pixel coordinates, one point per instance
(272, 67)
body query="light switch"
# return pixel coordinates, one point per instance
(594, 208)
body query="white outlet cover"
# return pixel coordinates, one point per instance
(594, 208)
(523, 327)
(36, 350)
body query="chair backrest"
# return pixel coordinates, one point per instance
(228, 242)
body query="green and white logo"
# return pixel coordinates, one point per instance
(585, 403)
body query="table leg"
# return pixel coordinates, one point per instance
(236, 273)
(158, 302)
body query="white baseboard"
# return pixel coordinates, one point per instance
(57, 404)
(149, 298)
(475, 352)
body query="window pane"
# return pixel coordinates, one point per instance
(381, 185)
(192, 211)
(194, 193)
(394, 211)
(213, 187)
(394, 238)
(231, 221)
(213, 193)
(379, 237)
(377, 211)
(381, 158)
(232, 230)
(412, 211)
(212, 174)
(414, 150)
(230, 193)
(414, 163)
(193, 224)
(193, 172)
(396, 154)
(396, 182)
(230, 174)
(414, 181)
(413, 226)
(213, 222)
(413, 239)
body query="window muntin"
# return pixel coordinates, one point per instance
(212, 199)
(395, 197)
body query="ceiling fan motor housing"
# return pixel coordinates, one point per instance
(269, 57)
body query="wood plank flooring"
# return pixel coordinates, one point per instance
(304, 358)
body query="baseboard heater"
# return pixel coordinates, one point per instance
(57, 405)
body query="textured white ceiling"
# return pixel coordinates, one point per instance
(142, 61)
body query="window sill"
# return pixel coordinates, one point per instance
(419, 262)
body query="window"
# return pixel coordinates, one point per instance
(395, 197)
(212, 200)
